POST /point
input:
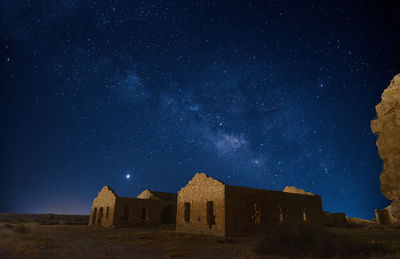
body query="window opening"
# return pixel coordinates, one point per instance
(210, 214)
(305, 214)
(256, 214)
(125, 213)
(282, 215)
(168, 215)
(144, 214)
(94, 215)
(100, 217)
(186, 206)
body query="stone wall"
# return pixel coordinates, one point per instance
(138, 212)
(109, 209)
(208, 206)
(385, 217)
(293, 189)
(168, 213)
(335, 219)
(103, 208)
(201, 195)
(252, 210)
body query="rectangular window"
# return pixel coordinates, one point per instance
(94, 216)
(210, 214)
(144, 213)
(186, 207)
(305, 214)
(125, 213)
(107, 211)
(282, 215)
(256, 214)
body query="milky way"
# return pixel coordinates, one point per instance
(259, 94)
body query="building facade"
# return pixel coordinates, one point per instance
(208, 206)
(335, 219)
(149, 208)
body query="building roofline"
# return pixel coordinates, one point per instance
(266, 190)
(243, 187)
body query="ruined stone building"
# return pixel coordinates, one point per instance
(335, 219)
(149, 208)
(208, 206)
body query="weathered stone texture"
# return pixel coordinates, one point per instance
(293, 189)
(104, 201)
(197, 193)
(168, 212)
(138, 212)
(335, 219)
(274, 208)
(387, 127)
(240, 210)
(152, 208)
(385, 217)
(149, 194)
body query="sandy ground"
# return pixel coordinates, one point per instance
(55, 236)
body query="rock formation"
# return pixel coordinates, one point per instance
(387, 127)
(293, 189)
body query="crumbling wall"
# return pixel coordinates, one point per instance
(131, 212)
(147, 194)
(387, 127)
(385, 217)
(293, 189)
(208, 206)
(335, 219)
(168, 210)
(201, 206)
(252, 210)
(109, 209)
(103, 208)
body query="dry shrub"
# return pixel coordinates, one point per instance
(21, 228)
(316, 241)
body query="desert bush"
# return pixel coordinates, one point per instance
(21, 228)
(316, 241)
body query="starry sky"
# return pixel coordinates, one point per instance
(144, 94)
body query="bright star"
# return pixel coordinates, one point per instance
(128, 176)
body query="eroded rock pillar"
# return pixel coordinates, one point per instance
(387, 127)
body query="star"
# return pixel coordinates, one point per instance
(135, 109)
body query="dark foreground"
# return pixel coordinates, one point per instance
(61, 236)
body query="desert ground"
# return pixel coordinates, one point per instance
(65, 236)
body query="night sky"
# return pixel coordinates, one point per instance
(144, 94)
